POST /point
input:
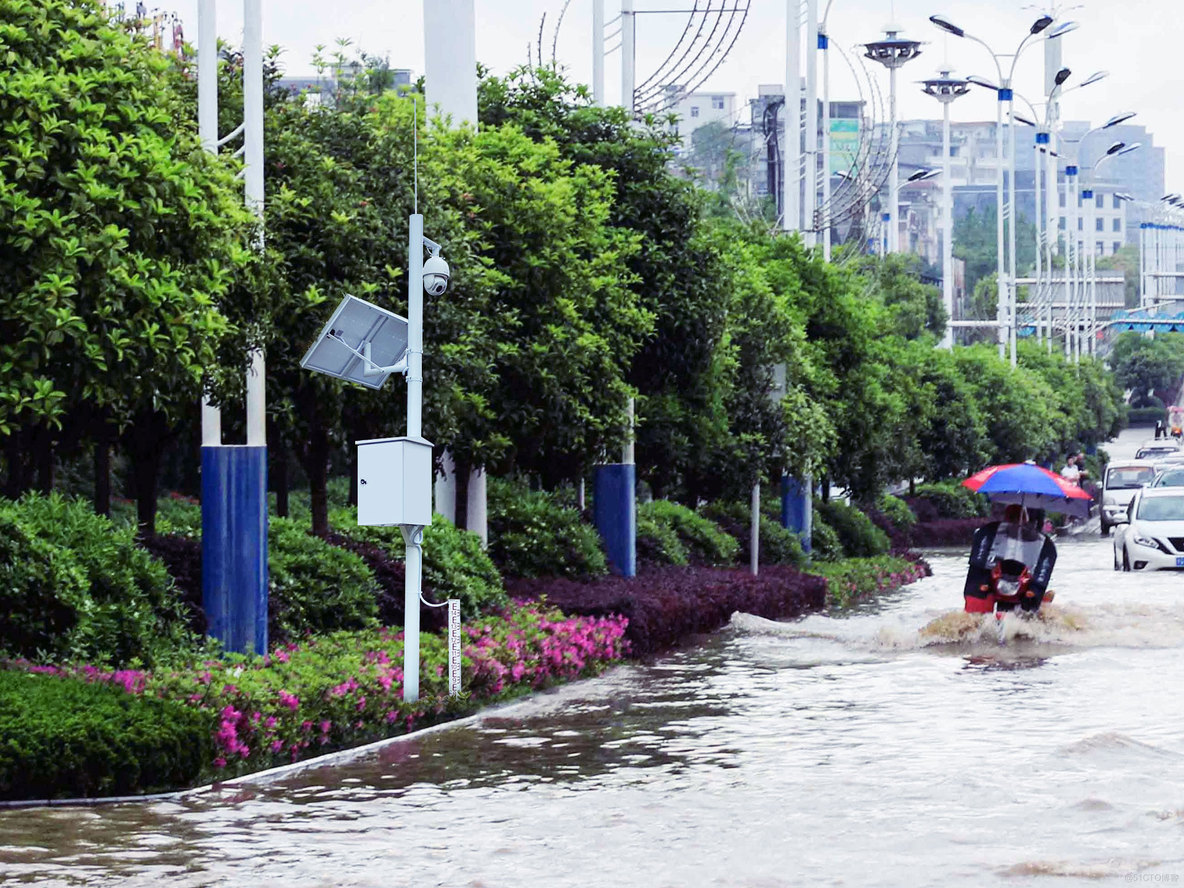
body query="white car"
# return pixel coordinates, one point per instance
(1152, 537)
(1158, 448)
(1122, 480)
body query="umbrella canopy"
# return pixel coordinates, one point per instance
(1030, 485)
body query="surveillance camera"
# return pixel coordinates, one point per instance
(435, 276)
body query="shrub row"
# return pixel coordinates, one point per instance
(855, 577)
(858, 536)
(75, 587)
(666, 605)
(777, 545)
(226, 717)
(67, 737)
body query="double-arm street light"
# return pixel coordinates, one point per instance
(1005, 289)
(1074, 248)
(945, 89)
(1090, 295)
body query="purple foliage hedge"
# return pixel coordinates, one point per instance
(666, 605)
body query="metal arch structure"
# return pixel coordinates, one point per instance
(709, 35)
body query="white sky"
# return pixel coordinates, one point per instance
(1135, 40)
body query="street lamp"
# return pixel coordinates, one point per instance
(892, 52)
(946, 89)
(1005, 289)
(1090, 312)
(1073, 247)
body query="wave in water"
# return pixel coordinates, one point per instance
(1123, 624)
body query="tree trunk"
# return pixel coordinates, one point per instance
(316, 465)
(102, 499)
(462, 493)
(145, 442)
(280, 476)
(43, 457)
(17, 481)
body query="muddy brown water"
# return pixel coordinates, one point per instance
(847, 748)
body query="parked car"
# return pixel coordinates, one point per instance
(1152, 537)
(1119, 484)
(1170, 475)
(1158, 448)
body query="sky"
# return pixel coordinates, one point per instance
(1135, 40)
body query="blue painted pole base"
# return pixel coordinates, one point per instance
(234, 546)
(796, 509)
(615, 511)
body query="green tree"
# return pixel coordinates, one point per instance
(119, 237)
(1149, 366)
(975, 243)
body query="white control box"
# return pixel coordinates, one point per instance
(395, 481)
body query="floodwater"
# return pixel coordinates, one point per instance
(843, 749)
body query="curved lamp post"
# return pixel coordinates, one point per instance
(1090, 312)
(892, 52)
(945, 89)
(1006, 287)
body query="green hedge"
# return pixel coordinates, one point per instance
(897, 511)
(1139, 416)
(532, 535)
(657, 541)
(704, 542)
(778, 545)
(859, 537)
(454, 564)
(952, 500)
(315, 586)
(73, 586)
(824, 541)
(64, 737)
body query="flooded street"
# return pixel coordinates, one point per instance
(843, 749)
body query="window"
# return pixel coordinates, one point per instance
(1117, 246)
(1062, 221)
(1062, 197)
(1080, 224)
(1099, 249)
(717, 102)
(1099, 224)
(1117, 224)
(1117, 204)
(694, 110)
(1100, 201)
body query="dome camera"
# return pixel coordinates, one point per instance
(435, 275)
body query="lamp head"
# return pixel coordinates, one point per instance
(1061, 76)
(981, 81)
(1094, 78)
(435, 275)
(1135, 146)
(1040, 24)
(1062, 29)
(1025, 121)
(947, 26)
(1118, 118)
(1115, 148)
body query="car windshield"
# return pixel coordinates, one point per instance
(1147, 452)
(1129, 478)
(1162, 508)
(1174, 478)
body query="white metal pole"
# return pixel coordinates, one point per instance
(1051, 229)
(791, 166)
(598, 52)
(1012, 218)
(1070, 249)
(1000, 276)
(811, 176)
(413, 534)
(1036, 297)
(947, 229)
(1143, 294)
(628, 55)
(824, 53)
(207, 126)
(253, 179)
(894, 176)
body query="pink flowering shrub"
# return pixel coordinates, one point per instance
(346, 688)
(853, 578)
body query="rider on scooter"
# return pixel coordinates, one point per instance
(1010, 565)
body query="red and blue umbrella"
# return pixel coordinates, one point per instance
(1030, 485)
